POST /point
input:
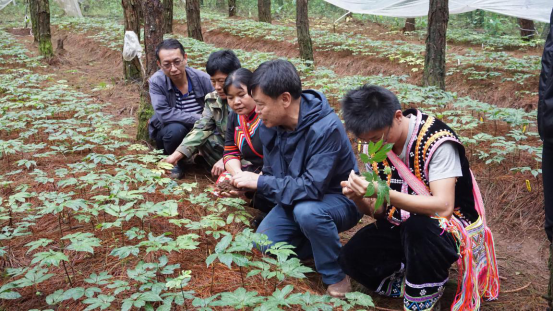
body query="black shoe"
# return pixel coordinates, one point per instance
(177, 173)
(256, 221)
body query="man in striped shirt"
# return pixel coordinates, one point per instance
(178, 96)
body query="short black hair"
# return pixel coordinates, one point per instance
(169, 44)
(369, 108)
(238, 77)
(276, 77)
(224, 61)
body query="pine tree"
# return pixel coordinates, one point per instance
(153, 35)
(434, 61)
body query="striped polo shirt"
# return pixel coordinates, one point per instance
(187, 102)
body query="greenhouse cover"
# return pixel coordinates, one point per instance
(537, 10)
(71, 7)
(4, 3)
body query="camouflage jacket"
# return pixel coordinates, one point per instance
(213, 121)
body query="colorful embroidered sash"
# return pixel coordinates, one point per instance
(244, 125)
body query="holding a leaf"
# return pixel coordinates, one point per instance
(417, 181)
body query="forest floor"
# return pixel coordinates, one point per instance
(514, 214)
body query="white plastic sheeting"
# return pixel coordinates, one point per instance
(537, 10)
(4, 3)
(71, 7)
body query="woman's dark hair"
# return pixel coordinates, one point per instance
(276, 77)
(369, 108)
(224, 61)
(241, 76)
(169, 44)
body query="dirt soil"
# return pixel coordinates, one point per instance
(514, 214)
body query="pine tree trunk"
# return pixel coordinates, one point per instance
(193, 20)
(409, 25)
(33, 12)
(264, 11)
(527, 29)
(168, 16)
(43, 28)
(302, 27)
(434, 61)
(132, 11)
(153, 35)
(231, 8)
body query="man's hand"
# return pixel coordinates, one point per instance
(235, 194)
(349, 193)
(364, 205)
(218, 168)
(174, 158)
(358, 185)
(245, 179)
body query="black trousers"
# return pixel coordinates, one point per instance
(170, 137)
(547, 172)
(411, 260)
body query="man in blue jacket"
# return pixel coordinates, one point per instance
(306, 155)
(178, 97)
(545, 128)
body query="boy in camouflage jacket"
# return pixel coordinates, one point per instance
(207, 136)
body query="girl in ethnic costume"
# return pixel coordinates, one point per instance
(242, 138)
(408, 251)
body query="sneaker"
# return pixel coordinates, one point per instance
(340, 289)
(177, 173)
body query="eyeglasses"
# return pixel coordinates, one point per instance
(176, 63)
(217, 81)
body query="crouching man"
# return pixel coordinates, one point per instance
(306, 155)
(178, 96)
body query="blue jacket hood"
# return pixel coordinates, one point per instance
(314, 107)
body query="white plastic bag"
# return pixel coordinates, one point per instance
(131, 47)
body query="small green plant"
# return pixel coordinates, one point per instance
(376, 154)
